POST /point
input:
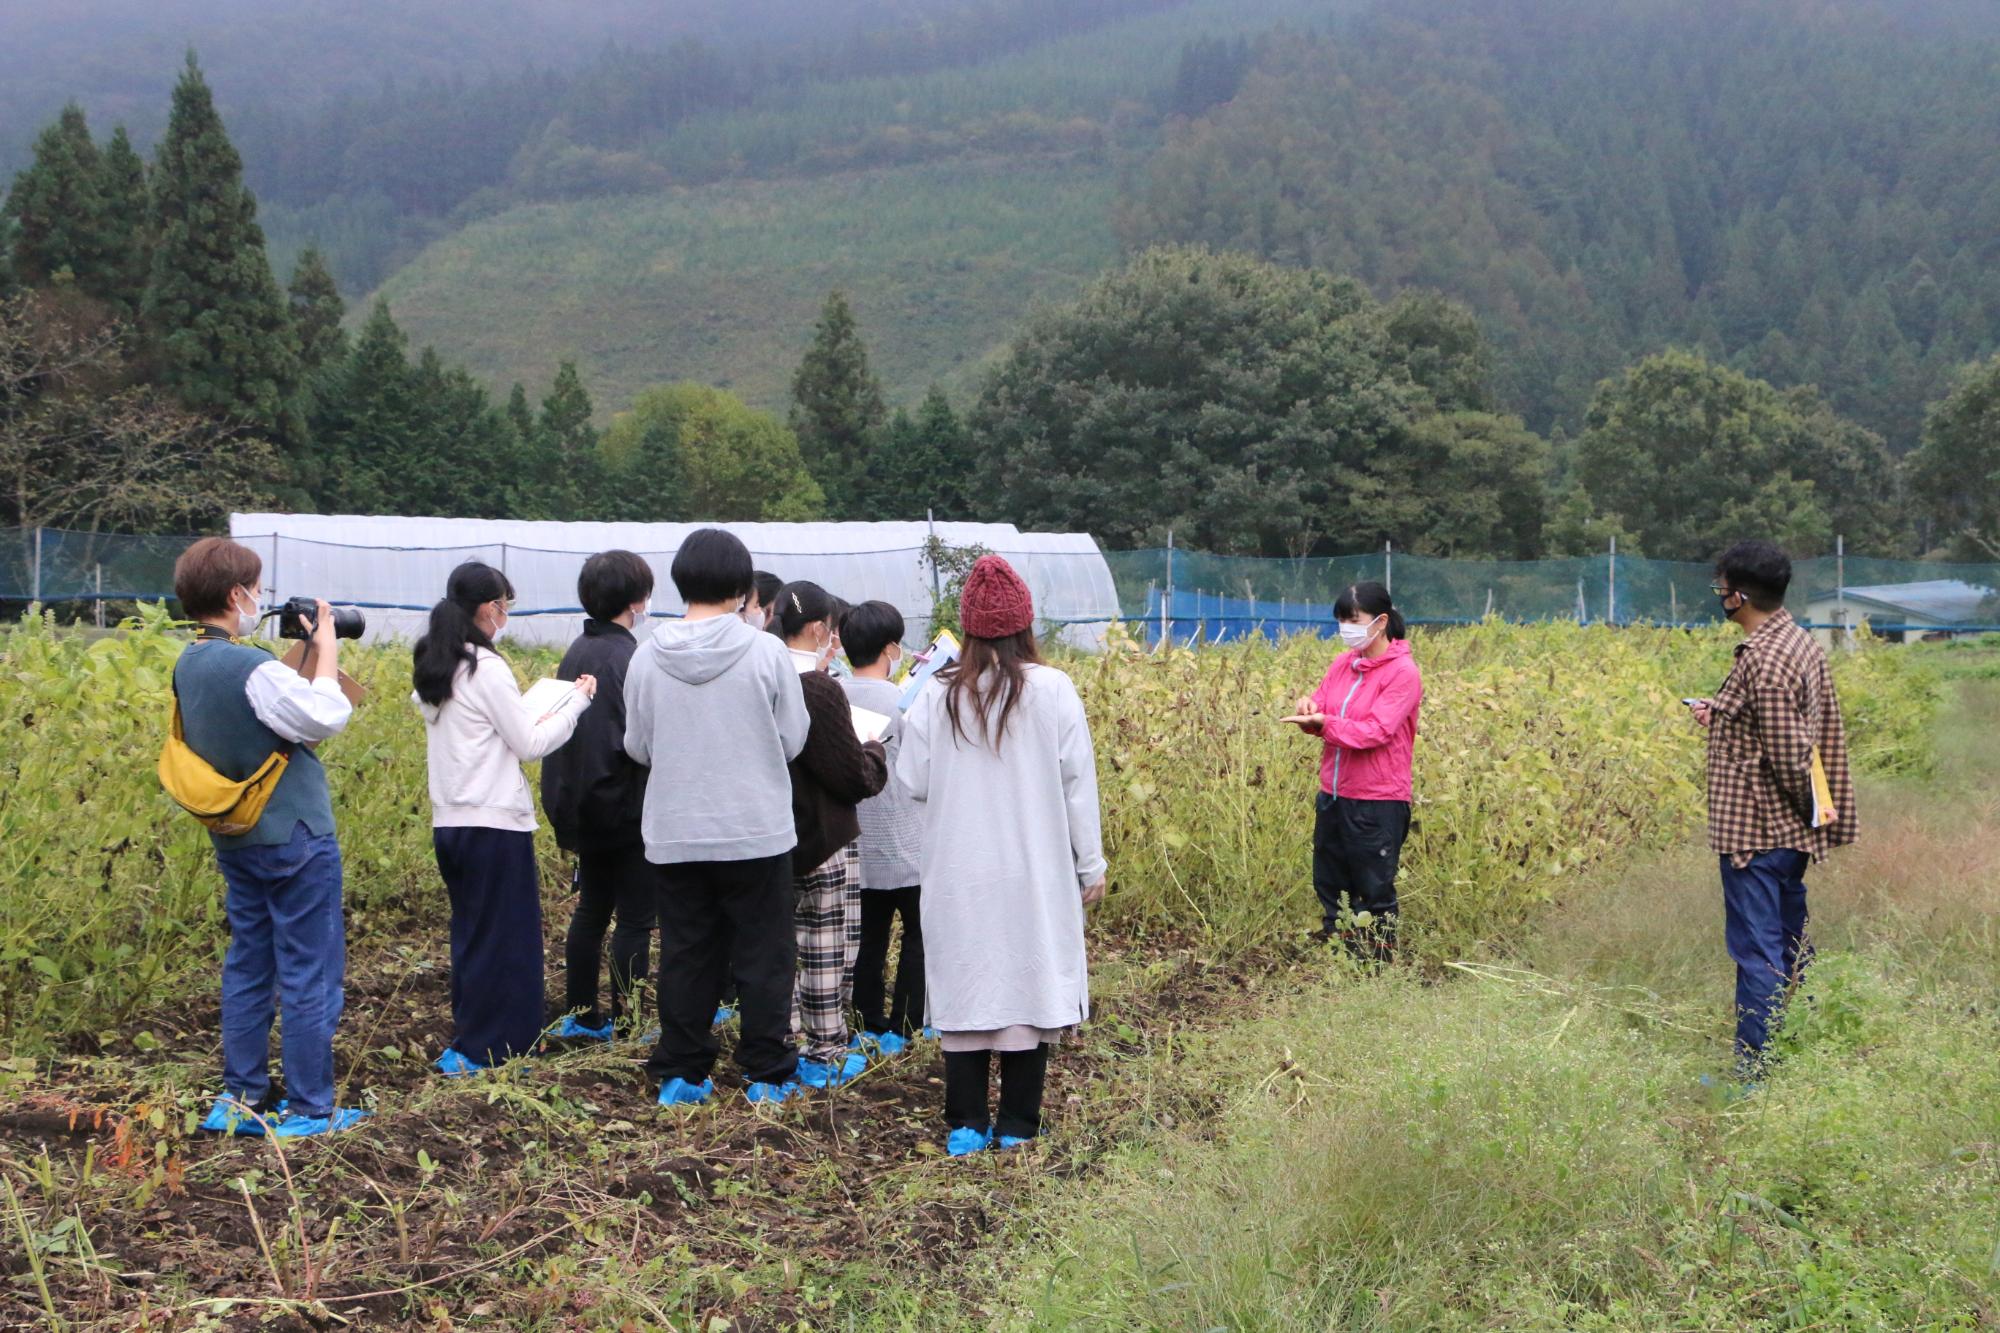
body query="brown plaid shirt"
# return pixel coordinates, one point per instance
(1777, 704)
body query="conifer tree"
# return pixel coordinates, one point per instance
(56, 207)
(920, 463)
(214, 312)
(566, 413)
(316, 310)
(127, 228)
(837, 409)
(367, 422)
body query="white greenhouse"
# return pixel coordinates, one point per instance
(395, 568)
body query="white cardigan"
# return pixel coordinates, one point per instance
(477, 741)
(1010, 839)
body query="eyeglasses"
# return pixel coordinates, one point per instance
(1720, 590)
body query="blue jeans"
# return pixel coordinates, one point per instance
(287, 946)
(1765, 903)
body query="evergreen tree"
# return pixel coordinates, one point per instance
(367, 423)
(566, 413)
(57, 205)
(1955, 472)
(128, 244)
(215, 314)
(316, 310)
(562, 458)
(921, 464)
(837, 408)
(520, 416)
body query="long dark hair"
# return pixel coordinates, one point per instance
(1372, 599)
(454, 635)
(987, 680)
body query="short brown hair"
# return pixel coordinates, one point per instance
(209, 571)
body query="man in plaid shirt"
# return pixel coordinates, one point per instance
(1775, 715)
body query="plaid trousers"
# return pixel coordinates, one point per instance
(828, 923)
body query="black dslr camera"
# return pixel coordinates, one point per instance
(295, 620)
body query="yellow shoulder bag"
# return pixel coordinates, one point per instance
(229, 809)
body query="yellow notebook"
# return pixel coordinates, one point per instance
(1823, 812)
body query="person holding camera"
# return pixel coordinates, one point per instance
(239, 707)
(480, 732)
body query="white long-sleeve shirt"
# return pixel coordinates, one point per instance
(479, 738)
(301, 711)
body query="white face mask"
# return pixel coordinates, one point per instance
(645, 612)
(896, 662)
(1357, 637)
(246, 621)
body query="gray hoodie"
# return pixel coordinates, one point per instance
(714, 708)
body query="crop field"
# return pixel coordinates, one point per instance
(1507, 1131)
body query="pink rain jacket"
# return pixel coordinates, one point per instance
(1371, 724)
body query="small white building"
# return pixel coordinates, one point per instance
(395, 567)
(1905, 612)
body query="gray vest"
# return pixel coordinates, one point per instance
(221, 727)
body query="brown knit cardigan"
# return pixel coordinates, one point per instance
(833, 774)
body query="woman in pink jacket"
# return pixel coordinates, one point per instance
(1365, 712)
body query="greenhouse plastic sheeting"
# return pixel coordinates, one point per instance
(395, 568)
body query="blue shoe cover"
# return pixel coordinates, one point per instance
(229, 1116)
(453, 1065)
(309, 1126)
(680, 1092)
(572, 1029)
(1014, 1140)
(724, 1013)
(965, 1141)
(929, 1034)
(772, 1092)
(816, 1075)
(888, 1043)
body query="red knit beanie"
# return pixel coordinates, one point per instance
(995, 603)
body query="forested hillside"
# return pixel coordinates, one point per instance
(1804, 187)
(1508, 277)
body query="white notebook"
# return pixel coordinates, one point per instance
(869, 724)
(549, 696)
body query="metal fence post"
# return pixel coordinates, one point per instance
(1840, 586)
(99, 580)
(1611, 584)
(35, 574)
(1166, 616)
(930, 554)
(1389, 568)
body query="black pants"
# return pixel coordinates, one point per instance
(1021, 1077)
(625, 883)
(496, 940)
(1357, 847)
(900, 1012)
(718, 919)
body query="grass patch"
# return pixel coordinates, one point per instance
(1531, 1147)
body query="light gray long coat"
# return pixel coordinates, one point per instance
(1009, 841)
